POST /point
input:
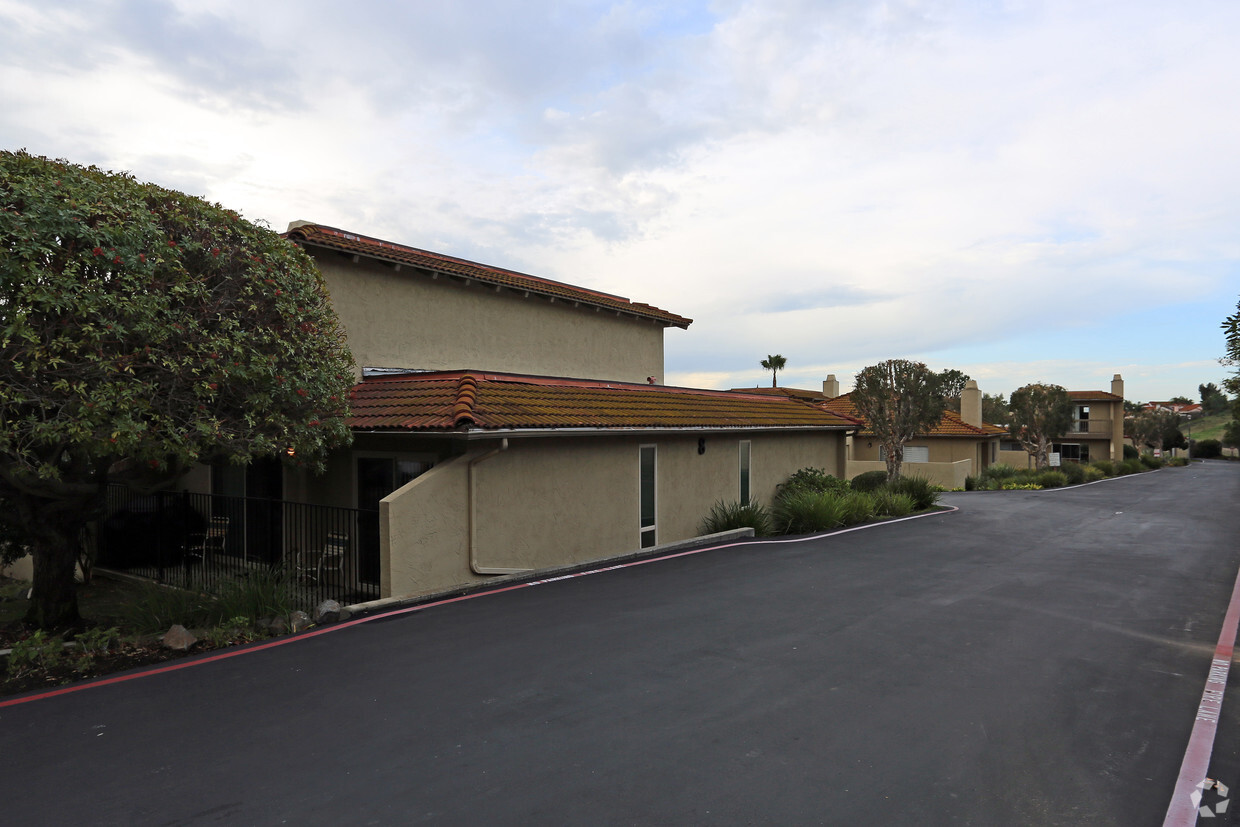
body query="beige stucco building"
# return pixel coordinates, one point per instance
(507, 423)
(1097, 430)
(960, 445)
(406, 308)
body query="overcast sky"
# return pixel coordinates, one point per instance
(1025, 191)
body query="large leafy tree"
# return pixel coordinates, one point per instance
(994, 409)
(1213, 400)
(1040, 414)
(143, 330)
(953, 382)
(1231, 330)
(774, 364)
(898, 399)
(1156, 429)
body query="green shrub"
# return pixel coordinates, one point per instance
(1074, 472)
(890, 504)
(156, 608)
(1093, 473)
(1052, 479)
(857, 507)
(1129, 466)
(1150, 461)
(1021, 486)
(925, 494)
(231, 632)
(869, 481)
(805, 512)
(970, 483)
(1131, 452)
(1207, 449)
(265, 593)
(1178, 462)
(35, 654)
(999, 471)
(96, 641)
(729, 516)
(813, 479)
(1105, 466)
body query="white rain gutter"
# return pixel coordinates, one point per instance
(474, 565)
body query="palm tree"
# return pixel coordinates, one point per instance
(774, 364)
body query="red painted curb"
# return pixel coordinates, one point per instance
(1182, 811)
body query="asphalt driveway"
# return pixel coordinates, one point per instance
(1033, 658)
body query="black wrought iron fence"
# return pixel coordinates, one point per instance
(203, 540)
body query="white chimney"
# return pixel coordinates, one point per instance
(831, 386)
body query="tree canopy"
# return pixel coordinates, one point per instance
(1213, 400)
(953, 382)
(994, 409)
(898, 399)
(1155, 429)
(774, 364)
(1040, 413)
(143, 330)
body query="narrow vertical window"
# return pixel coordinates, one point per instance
(649, 532)
(745, 473)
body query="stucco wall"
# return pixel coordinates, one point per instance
(942, 449)
(949, 475)
(553, 502)
(406, 319)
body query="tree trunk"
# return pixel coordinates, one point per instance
(53, 599)
(895, 458)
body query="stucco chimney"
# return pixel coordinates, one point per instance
(971, 404)
(1117, 385)
(831, 386)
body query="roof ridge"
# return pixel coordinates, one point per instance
(466, 396)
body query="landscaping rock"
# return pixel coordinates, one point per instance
(277, 626)
(299, 621)
(327, 612)
(178, 637)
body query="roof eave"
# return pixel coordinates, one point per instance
(473, 434)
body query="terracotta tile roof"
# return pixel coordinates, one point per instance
(950, 425)
(1099, 396)
(461, 400)
(791, 393)
(317, 235)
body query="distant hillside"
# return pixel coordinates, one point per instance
(1207, 427)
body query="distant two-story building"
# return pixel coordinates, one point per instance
(1097, 430)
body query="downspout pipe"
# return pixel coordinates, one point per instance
(474, 565)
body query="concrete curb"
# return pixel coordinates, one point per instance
(404, 601)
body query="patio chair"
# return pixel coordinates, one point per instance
(201, 545)
(313, 562)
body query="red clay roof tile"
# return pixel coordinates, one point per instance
(950, 425)
(1101, 396)
(471, 399)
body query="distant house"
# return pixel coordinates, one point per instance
(1185, 410)
(958, 446)
(505, 422)
(1097, 430)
